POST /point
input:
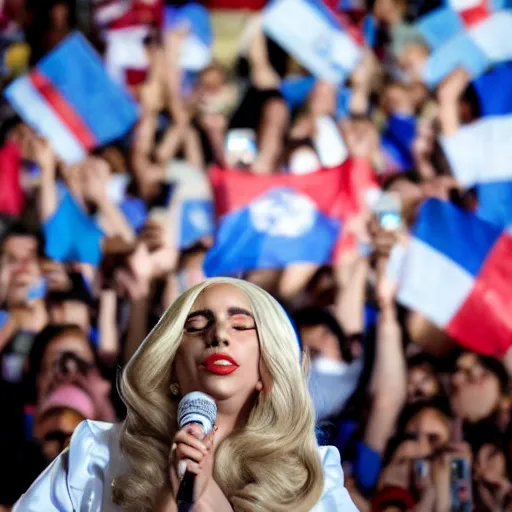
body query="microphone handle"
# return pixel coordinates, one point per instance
(185, 498)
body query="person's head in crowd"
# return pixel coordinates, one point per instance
(331, 380)
(411, 58)
(408, 187)
(191, 265)
(478, 385)
(397, 99)
(423, 382)
(58, 352)
(57, 416)
(427, 425)
(71, 306)
(302, 157)
(214, 95)
(321, 334)
(389, 12)
(413, 190)
(492, 467)
(21, 251)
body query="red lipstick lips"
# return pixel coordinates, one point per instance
(220, 364)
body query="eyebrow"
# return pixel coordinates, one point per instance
(208, 313)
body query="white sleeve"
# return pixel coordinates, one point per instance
(74, 480)
(335, 497)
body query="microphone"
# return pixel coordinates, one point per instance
(199, 408)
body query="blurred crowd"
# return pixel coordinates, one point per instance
(422, 423)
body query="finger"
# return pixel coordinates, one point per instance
(183, 436)
(184, 451)
(191, 467)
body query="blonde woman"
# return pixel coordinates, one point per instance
(262, 456)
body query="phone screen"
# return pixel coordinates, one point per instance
(461, 486)
(241, 148)
(388, 209)
(38, 290)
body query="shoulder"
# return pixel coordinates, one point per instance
(93, 446)
(90, 433)
(78, 475)
(335, 497)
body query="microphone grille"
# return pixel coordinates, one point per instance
(197, 407)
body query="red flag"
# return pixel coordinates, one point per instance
(11, 194)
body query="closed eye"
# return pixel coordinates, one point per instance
(243, 328)
(197, 325)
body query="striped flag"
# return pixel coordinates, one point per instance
(472, 34)
(458, 273)
(69, 99)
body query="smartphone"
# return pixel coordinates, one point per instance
(461, 491)
(388, 209)
(241, 148)
(421, 469)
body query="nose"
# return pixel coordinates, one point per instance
(424, 447)
(218, 336)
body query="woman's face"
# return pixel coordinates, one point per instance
(421, 384)
(220, 353)
(56, 348)
(475, 392)
(429, 430)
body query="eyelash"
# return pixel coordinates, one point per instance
(235, 327)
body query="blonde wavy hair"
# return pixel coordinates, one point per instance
(271, 464)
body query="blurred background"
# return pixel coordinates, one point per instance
(352, 157)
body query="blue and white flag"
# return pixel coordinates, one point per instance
(196, 52)
(475, 48)
(480, 156)
(310, 32)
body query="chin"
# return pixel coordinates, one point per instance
(218, 387)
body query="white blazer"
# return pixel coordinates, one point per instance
(79, 479)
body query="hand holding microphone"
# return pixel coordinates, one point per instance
(191, 460)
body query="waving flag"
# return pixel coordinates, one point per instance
(271, 221)
(70, 234)
(69, 99)
(440, 25)
(458, 273)
(396, 143)
(494, 99)
(196, 51)
(486, 42)
(314, 36)
(487, 167)
(107, 12)
(124, 25)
